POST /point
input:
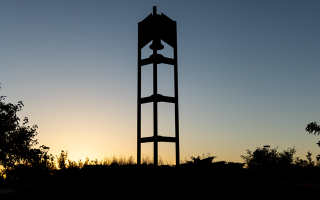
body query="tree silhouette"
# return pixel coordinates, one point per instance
(16, 141)
(314, 128)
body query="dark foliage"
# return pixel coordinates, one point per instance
(15, 140)
(192, 180)
(17, 154)
(314, 128)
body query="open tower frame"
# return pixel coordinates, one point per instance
(155, 28)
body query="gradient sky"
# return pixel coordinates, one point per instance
(248, 75)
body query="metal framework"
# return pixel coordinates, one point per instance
(157, 27)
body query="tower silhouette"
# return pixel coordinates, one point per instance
(157, 27)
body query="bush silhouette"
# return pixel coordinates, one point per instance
(278, 166)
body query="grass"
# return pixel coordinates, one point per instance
(54, 166)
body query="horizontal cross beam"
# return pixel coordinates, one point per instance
(159, 98)
(160, 59)
(160, 139)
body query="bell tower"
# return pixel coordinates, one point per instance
(157, 27)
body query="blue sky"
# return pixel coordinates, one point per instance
(248, 75)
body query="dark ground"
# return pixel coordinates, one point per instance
(196, 183)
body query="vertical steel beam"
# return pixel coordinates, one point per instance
(176, 105)
(139, 106)
(155, 92)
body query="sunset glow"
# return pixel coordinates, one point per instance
(248, 76)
